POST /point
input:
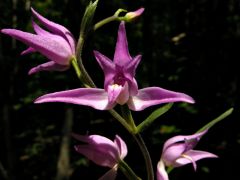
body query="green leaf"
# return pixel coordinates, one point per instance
(216, 120)
(88, 17)
(154, 115)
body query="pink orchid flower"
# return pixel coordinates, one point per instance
(103, 152)
(120, 86)
(58, 45)
(178, 151)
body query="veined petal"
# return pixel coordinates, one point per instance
(154, 95)
(121, 55)
(182, 138)
(110, 175)
(107, 66)
(53, 47)
(122, 147)
(96, 98)
(49, 66)
(161, 172)
(56, 29)
(194, 155)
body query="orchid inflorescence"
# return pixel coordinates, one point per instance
(120, 87)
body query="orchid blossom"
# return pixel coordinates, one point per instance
(103, 152)
(178, 151)
(58, 45)
(120, 86)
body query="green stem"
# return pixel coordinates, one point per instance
(104, 21)
(127, 171)
(121, 120)
(127, 115)
(146, 156)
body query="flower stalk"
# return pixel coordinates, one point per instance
(127, 171)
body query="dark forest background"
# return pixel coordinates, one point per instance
(187, 46)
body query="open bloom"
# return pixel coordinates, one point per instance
(178, 151)
(58, 45)
(103, 152)
(120, 86)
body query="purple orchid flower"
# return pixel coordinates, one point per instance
(58, 45)
(178, 151)
(120, 86)
(103, 152)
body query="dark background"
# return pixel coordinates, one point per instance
(187, 46)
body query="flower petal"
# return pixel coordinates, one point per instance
(99, 149)
(56, 29)
(114, 92)
(96, 98)
(101, 155)
(108, 68)
(161, 172)
(154, 95)
(122, 147)
(182, 138)
(195, 155)
(121, 56)
(39, 30)
(173, 152)
(49, 66)
(129, 73)
(110, 175)
(53, 47)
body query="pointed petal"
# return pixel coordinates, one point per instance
(107, 66)
(53, 47)
(110, 175)
(122, 56)
(56, 29)
(129, 73)
(154, 95)
(39, 30)
(182, 138)
(130, 68)
(28, 50)
(195, 155)
(96, 98)
(161, 172)
(122, 147)
(49, 66)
